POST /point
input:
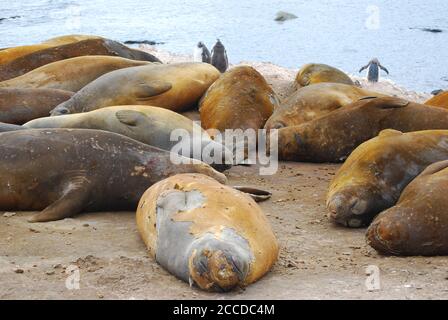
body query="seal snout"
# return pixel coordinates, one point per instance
(347, 210)
(218, 270)
(58, 111)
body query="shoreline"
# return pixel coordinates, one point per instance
(282, 78)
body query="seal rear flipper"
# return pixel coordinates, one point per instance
(6, 127)
(129, 117)
(257, 194)
(145, 91)
(70, 203)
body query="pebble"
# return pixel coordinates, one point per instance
(9, 214)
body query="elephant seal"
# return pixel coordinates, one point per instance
(219, 57)
(373, 74)
(147, 124)
(240, 99)
(418, 224)
(9, 54)
(201, 53)
(314, 101)
(91, 47)
(70, 74)
(331, 138)
(206, 233)
(6, 127)
(177, 87)
(372, 178)
(66, 171)
(440, 100)
(18, 106)
(313, 73)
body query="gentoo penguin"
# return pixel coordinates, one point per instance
(219, 57)
(373, 73)
(201, 53)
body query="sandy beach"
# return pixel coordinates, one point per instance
(318, 260)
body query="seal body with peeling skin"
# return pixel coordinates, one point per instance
(206, 233)
(374, 175)
(70, 74)
(331, 138)
(315, 101)
(177, 87)
(418, 224)
(91, 47)
(313, 73)
(64, 172)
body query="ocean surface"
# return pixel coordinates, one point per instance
(342, 33)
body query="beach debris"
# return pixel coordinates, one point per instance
(9, 214)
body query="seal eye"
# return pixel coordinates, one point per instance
(278, 125)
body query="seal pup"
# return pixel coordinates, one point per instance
(205, 233)
(374, 175)
(70, 74)
(219, 57)
(67, 171)
(90, 47)
(18, 106)
(373, 74)
(418, 224)
(332, 137)
(177, 87)
(201, 53)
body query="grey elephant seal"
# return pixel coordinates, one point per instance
(205, 233)
(219, 57)
(147, 124)
(373, 74)
(67, 171)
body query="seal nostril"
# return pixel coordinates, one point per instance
(278, 125)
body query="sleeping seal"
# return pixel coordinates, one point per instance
(418, 224)
(206, 233)
(177, 87)
(313, 73)
(331, 138)
(70, 74)
(67, 171)
(372, 178)
(91, 47)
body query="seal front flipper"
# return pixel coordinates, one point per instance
(145, 91)
(130, 117)
(72, 201)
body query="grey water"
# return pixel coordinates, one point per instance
(345, 34)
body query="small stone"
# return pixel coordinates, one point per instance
(86, 225)
(9, 214)
(18, 270)
(50, 272)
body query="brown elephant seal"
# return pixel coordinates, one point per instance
(177, 87)
(91, 47)
(206, 233)
(70, 74)
(6, 127)
(418, 224)
(372, 178)
(440, 100)
(240, 99)
(18, 106)
(66, 171)
(150, 125)
(313, 73)
(331, 138)
(315, 101)
(9, 54)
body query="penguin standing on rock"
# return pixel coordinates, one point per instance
(219, 57)
(201, 53)
(374, 65)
